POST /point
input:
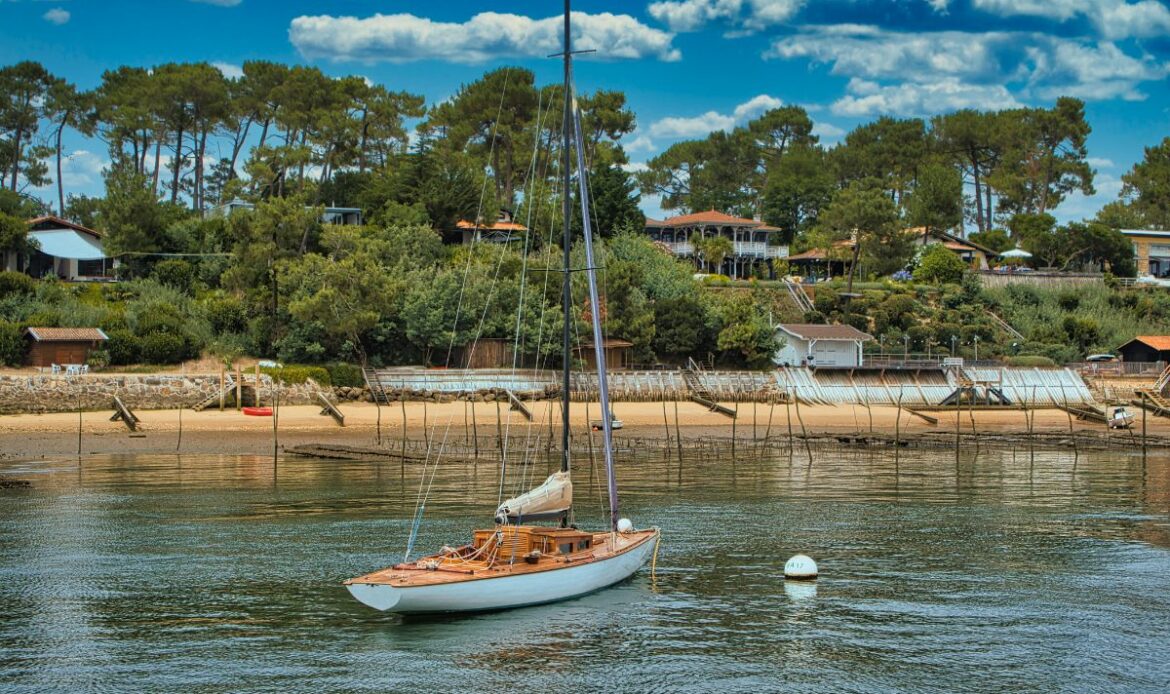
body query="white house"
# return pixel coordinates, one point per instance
(820, 345)
(64, 249)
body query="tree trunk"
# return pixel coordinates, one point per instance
(978, 191)
(60, 185)
(199, 170)
(157, 161)
(264, 132)
(853, 264)
(989, 208)
(237, 146)
(176, 165)
(16, 150)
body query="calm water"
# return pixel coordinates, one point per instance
(993, 573)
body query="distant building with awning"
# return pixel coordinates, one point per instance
(65, 250)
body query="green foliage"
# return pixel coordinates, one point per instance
(1029, 360)
(16, 283)
(294, 374)
(226, 314)
(175, 273)
(995, 239)
(345, 375)
(123, 346)
(12, 344)
(163, 348)
(98, 359)
(1147, 186)
(939, 265)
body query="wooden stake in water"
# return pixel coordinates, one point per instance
(803, 432)
(788, 418)
(771, 410)
(79, 424)
(179, 441)
(666, 425)
(275, 428)
(677, 434)
(1143, 427)
(734, 419)
(474, 430)
(402, 462)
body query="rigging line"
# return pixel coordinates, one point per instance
(598, 345)
(531, 175)
(420, 500)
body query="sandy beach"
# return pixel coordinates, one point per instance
(231, 432)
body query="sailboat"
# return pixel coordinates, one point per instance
(514, 563)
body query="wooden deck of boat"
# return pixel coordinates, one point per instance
(457, 570)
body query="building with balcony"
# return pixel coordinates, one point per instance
(1151, 251)
(755, 246)
(340, 216)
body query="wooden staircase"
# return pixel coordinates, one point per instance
(799, 297)
(1154, 398)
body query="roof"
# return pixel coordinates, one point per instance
(811, 254)
(1146, 232)
(68, 243)
(498, 226)
(948, 238)
(814, 331)
(709, 217)
(66, 334)
(1158, 342)
(51, 221)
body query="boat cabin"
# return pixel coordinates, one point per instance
(520, 540)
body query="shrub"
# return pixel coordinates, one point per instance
(174, 273)
(348, 375)
(1029, 360)
(98, 359)
(1068, 301)
(12, 345)
(939, 265)
(123, 346)
(16, 283)
(294, 374)
(163, 348)
(226, 314)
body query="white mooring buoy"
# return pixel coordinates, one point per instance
(800, 567)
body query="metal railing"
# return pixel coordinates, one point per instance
(1119, 368)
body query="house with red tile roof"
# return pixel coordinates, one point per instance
(755, 245)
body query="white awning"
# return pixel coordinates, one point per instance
(67, 243)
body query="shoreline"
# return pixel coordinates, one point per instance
(31, 436)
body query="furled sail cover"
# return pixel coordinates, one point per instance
(553, 496)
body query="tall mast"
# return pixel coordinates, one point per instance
(566, 242)
(591, 275)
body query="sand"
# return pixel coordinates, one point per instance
(231, 432)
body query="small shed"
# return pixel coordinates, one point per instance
(820, 345)
(618, 354)
(50, 346)
(1146, 348)
(484, 353)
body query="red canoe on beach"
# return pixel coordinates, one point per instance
(258, 411)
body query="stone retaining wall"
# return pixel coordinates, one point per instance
(38, 393)
(43, 393)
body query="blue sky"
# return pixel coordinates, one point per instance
(687, 66)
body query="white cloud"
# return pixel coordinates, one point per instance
(939, 6)
(56, 16)
(1115, 19)
(870, 52)
(954, 64)
(1091, 72)
(865, 98)
(827, 132)
(220, 3)
(229, 70)
(639, 143)
(405, 37)
(635, 167)
(750, 15)
(693, 126)
(1078, 206)
(756, 105)
(698, 126)
(1100, 162)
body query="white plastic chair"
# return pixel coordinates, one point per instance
(56, 369)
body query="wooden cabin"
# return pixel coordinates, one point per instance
(484, 353)
(618, 354)
(1146, 348)
(48, 346)
(516, 541)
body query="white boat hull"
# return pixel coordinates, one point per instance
(507, 590)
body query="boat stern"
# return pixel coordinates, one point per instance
(376, 595)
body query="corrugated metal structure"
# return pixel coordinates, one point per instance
(863, 386)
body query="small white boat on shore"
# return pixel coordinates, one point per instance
(1120, 418)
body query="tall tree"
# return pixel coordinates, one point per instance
(23, 87)
(1147, 186)
(870, 219)
(800, 184)
(65, 107)
(1045, 158)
